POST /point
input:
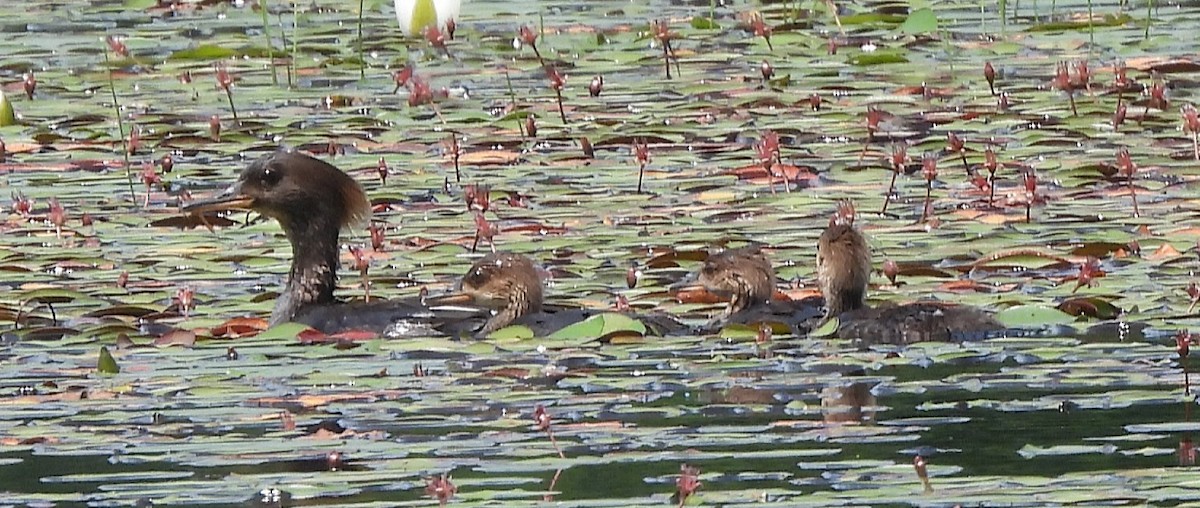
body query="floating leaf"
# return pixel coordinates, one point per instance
(1028, 316)
(878, 58)
(513, 332)
(203, 52)
(284, 331)
(1090, 306)
(1108, 20)
(598, 326)
(827, 329)
(920, 21)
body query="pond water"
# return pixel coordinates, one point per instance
(1096, 414)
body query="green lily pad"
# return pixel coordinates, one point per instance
(598, 326)
(1032, 315)
(920, 21)
(282, 331)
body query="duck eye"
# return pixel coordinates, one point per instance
(270, 177)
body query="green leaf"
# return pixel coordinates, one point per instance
(139, 4)
(7, 115)
(1109, 20)
(514, 332)
(107, 364)
(283, 331)
(1032, 315)
(739, 331)
(203, 52)
(826, 330)
(598, 326)
(52, 295)
(920, 21)
(878, 58)
(701, 23)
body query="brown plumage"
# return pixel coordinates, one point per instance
(510, 285)
(313, 201)
(507, 283)
(844, 271)
(745, 276)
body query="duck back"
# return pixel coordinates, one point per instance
(916, 322)
(394, 318)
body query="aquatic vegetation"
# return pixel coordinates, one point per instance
(137, 367)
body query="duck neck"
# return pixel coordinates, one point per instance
(313, 275)
(745, 296)
(522, 300)
(845, 300)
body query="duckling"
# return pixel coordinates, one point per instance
(843, 273)
(745, 276)
(510, 285)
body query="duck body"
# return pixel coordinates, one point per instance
(393, 318)
(901, 324)
(844, 271)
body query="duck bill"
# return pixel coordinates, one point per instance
(691, 282)
(456, 298)
(231, 199)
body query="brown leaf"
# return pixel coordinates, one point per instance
(184, 338)
(240, 327)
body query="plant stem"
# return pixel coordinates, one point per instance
(112, 87)
(1003, 17)
(537, 53)
(1091, 28)
(363, 70)
(666, 58)
(641, 171)
(1133, 196)
(928, 194)
(991, 189)
(262, 6)
(1149, 12)
(561, 113)
(887, 198)
(512, 96)
(554, 442)
(787, 181)
(295, 41)
(229, 95)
